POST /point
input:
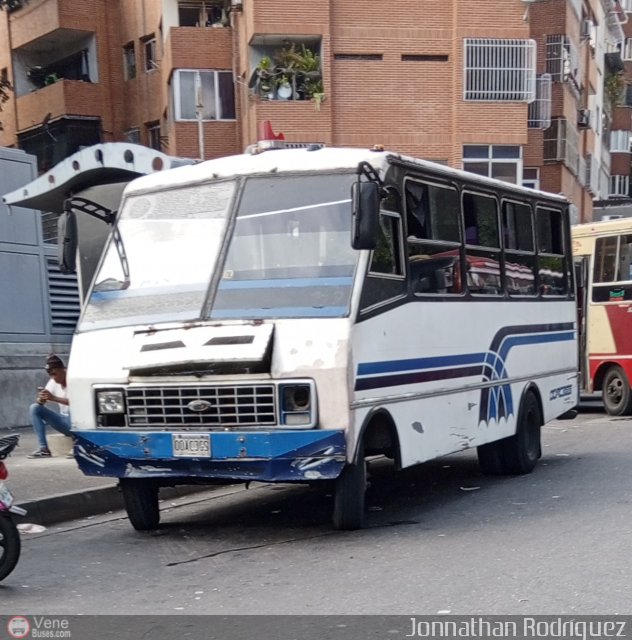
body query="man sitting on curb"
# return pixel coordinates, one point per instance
(54, 391)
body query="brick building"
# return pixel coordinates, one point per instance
(518, 89)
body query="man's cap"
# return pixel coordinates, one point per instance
(54, 362)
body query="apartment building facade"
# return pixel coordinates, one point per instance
(515, 89)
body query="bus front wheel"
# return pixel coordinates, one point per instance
(350, 496)
(617, 397)
(141, 503)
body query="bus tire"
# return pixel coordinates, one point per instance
(141, 503)
(616, 394)
(521, 451)
(350, 496)
(490, 458)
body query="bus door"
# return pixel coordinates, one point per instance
(581, 264)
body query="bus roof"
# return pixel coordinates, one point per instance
(311, 158)
(601, 227)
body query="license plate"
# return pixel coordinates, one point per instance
(191, 445)
(6, 498)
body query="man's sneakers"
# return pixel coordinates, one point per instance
(42, 452)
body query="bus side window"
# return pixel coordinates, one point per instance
(434, 246)
(482, 244)
(552, 267)
(517, 226)
(625, 259)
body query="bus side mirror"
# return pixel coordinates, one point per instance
(67, 242)
(365, 202)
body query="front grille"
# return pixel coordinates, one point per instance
(230, 406)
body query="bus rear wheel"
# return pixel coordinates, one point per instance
(617, 397)
(350, 496)
(521, 451)
(141, 503)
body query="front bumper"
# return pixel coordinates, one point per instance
(266, 456)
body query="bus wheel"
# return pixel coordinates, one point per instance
(349, 496)
(617, 398)
(141, 503)
(521, 451)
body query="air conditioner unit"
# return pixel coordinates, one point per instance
(583, 118)
(587, 29)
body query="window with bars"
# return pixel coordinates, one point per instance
(626, 52)
(562, 59)
(619, 186)
(499, 70)
(626, 5)
(561, 144)
(540, 108)
(620, 141)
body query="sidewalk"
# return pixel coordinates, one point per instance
(55, 490)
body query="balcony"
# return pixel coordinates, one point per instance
(42, 18)
(213, 48)
(58, 99)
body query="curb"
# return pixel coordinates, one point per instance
(81, 504)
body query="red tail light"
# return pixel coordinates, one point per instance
(3, 471)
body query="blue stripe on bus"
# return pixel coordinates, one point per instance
(496, 402)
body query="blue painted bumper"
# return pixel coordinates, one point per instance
(267, 456)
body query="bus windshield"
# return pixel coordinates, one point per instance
(289, 255)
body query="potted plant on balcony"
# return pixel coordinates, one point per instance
(266, 81)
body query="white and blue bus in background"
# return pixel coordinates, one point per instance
(282, 315)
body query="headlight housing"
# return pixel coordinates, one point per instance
(296, 402)
(110, 401)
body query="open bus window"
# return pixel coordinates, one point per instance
(432, 212)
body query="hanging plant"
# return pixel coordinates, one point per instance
(614, 85)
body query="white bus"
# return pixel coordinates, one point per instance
(282, 315)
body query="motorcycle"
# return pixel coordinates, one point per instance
(9, 535)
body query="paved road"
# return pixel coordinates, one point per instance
(442, 538)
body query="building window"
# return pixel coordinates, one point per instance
(620, 141)
(151, 60)
(499, 70)
(209, 92)
(129, 61)
(619, 186)
(133, 135)
(626, 5)
(502, 162)
(153, 135)
(627, 49)
(531, 178)
(561, 144)
(201, 13)
(540, 108)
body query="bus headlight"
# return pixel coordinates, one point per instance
(109, 402)
(296, 404)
